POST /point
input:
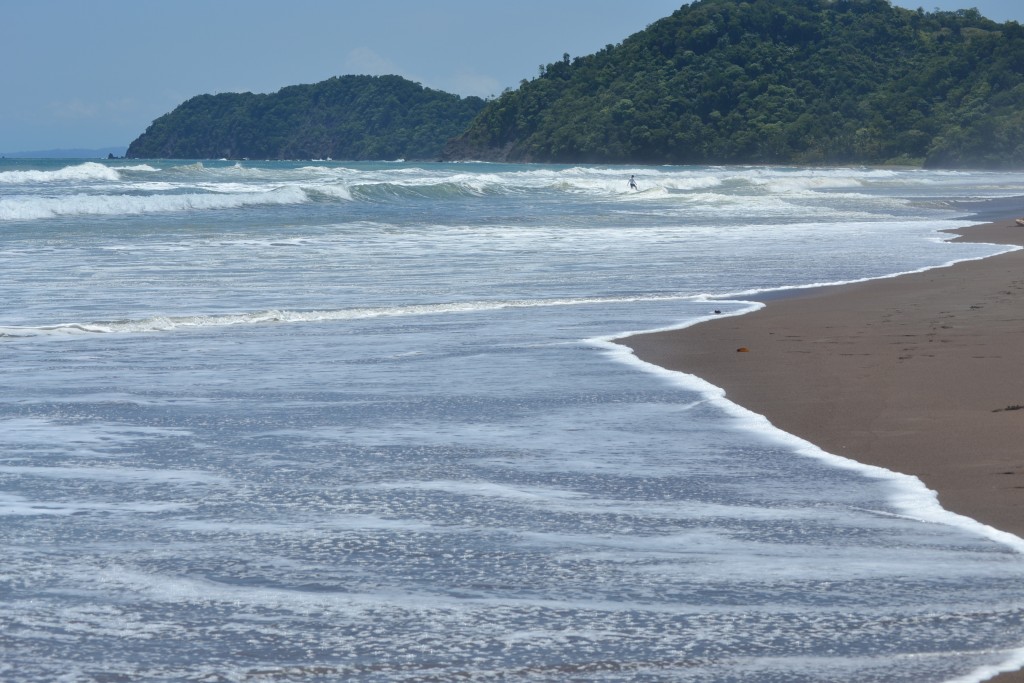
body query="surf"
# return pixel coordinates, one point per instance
(27, 208)
(168, 323)
(88, 171)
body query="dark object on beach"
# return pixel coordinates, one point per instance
(1016, 406)
(742, 349)
(718, 312)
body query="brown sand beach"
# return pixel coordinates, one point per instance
(922, 374)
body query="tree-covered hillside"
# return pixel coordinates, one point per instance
(774, 81)
(348, 117)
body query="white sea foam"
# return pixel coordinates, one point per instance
(142, 168)
(907, 493)
(34, 208)
(117, 474)
(484, 488)
(89, 171)
(168, 323)
(19, 506)
(588, 181)
(44, 435)
(483, 475)
(1013, 662)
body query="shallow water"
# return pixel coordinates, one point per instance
(361, 422)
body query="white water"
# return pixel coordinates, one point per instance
(362, 422)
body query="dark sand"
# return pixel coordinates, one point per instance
(914, 374)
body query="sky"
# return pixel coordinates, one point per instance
(94, 74)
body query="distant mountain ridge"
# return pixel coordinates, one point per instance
(345, 117)
(805, 82)
(73, 153)
(774, 81)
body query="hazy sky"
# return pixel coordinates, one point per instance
(96, 73)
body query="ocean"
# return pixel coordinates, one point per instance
(322, 421)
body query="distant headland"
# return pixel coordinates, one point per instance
(808, 82)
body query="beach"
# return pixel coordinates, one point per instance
(920, 373)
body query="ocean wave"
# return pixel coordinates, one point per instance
(34, 208)
(149, 189)
(450, 188)
(145, 168)
(87, 171)
(170, 323)
(195, 166)
(376, 185)
(483, 185)
(331, 191)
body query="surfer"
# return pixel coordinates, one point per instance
(632, 182)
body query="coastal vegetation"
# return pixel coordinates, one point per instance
(346, 117)
(717, 82)
(774, 81)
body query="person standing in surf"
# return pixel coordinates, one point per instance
(632, 183)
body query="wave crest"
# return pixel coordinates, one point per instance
(34, 208)
(88, 171)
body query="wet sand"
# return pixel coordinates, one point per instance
(922, 374)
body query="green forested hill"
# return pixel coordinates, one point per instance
(347, 117)
(774, 81)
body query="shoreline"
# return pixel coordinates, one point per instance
(919, 373)
(864, 369)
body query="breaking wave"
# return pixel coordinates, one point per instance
(33, 208)
(89, 171)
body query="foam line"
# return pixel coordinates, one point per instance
(169, 323)
(908, 493)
